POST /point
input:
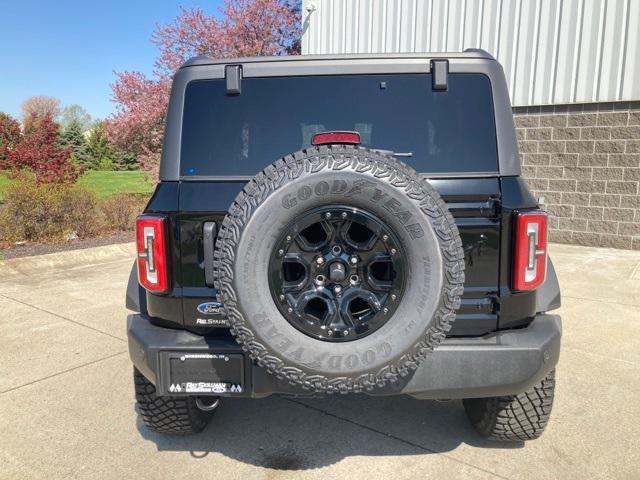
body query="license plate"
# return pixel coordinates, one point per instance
(203, 373)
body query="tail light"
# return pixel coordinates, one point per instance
(530, 255)
(324, 138)
(151, 244)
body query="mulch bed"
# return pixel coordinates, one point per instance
(32, 249)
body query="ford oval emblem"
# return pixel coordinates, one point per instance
(211, 308)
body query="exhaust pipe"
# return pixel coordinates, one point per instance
(202, 404)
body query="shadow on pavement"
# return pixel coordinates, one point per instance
(305, 433)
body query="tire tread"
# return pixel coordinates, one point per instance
(513, 417)
(174, 415)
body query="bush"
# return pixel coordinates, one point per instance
(120, 212)
(105, 164)
(47, 211)
(9, 134)
(38, 151)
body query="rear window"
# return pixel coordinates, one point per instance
(452, 131)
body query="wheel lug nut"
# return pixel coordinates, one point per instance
(288, 238)
(344, 214)
(281, 297)
(337, 289)
(330, 332)
(280, 252)
(393, 296)
(393, 251)
(345, 332)
(385, 237)
(320, 260)
(327, 215)
(385, 310)
(290, 310)
(354, 260)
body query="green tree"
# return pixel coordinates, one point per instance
(102, 155)
(75, 114)
(72, 137)
(126, 161)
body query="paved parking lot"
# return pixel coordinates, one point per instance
(67, 409)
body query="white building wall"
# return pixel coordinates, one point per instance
(552, 51)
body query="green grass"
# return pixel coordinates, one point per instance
(4, 183)
(104, 184)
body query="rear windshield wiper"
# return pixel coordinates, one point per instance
(392, 153)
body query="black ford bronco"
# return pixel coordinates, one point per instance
(343, 224)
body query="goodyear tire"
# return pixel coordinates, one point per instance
(513, 418)
(403, 205)
(170, 415)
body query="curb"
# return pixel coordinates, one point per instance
(68, 259)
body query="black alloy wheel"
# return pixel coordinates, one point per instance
(337, 273)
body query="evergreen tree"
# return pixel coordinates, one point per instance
(127, 161)
(72, 137)
(101, 153)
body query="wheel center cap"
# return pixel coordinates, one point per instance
(337, 272)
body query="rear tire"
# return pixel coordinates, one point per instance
(172, 415)
(513, 417)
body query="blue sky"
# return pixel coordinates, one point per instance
(69, 49)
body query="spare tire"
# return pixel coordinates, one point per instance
(340, 269)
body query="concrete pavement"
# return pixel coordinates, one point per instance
(67, 408)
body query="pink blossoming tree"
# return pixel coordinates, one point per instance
(243, 28)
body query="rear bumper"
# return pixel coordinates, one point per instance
(503, 363)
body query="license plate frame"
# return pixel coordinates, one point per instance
(201, 374)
